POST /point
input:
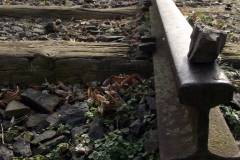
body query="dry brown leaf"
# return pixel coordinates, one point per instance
(61, 92)
(118, 79)
(129, 79)
(110, 93)
(105, 88)
(116, 86)
(100, 98)
(195, 16)
(66, 101)
(143, 100)
(62, 85)
(17, 92)
(115, 102)
(142, 79)
(49, 87)
(37, 88)
(135, 82)
(95, 92)
(107, 82)
(11, 95)
(89, 92)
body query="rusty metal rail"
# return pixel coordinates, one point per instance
(190, 125)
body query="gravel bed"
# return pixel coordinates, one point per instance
(128, 29)
(69, 3)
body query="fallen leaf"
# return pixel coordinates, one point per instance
(143, 100)
(118, 79)
(100, 98)
(129, 79)
(62, 85)
(61, 92)
(106, 82)
(89, 92)
(37, 88)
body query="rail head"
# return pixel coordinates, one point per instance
(199, 85)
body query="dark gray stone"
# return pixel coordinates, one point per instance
(16, 3)
(51, 27)
(131, 137)
(22, 148)
(235, 103)
(78, 131)
(124, 4)
(48, 146)
(86, 6)
(112, 38)
(35, 119)
(141, 111)
(17, 29)
(2, 114)
(101, 38)
(179, 4)
(91, 27)
(5, 153)
(43, 37)
(96, 129)
(38, 26)
(4, 38)
(206, 44)
(69, 114)
(80, 2)
(145, 39)
(16, 109)
(40, 129)
(106, 25)
(151, 142)
(105, 6)
(39, 31)
(90, 1)
(47, 135)
(147, 47)
(97, 4)
(137, 158)
(93, 32)
(137, 127)
(39, 101)
(151, 101)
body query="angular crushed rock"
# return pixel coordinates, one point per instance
(39, 101)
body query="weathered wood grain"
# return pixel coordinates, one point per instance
(23, 11)
(29, 62)
(231, 55)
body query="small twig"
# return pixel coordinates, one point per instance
(2, 135)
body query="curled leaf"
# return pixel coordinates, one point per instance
(143, 100)
(89, 92)
(106, 82)
(129, 79)
(62, 85)
(100, 98)
(61, 92)
(118, 79)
